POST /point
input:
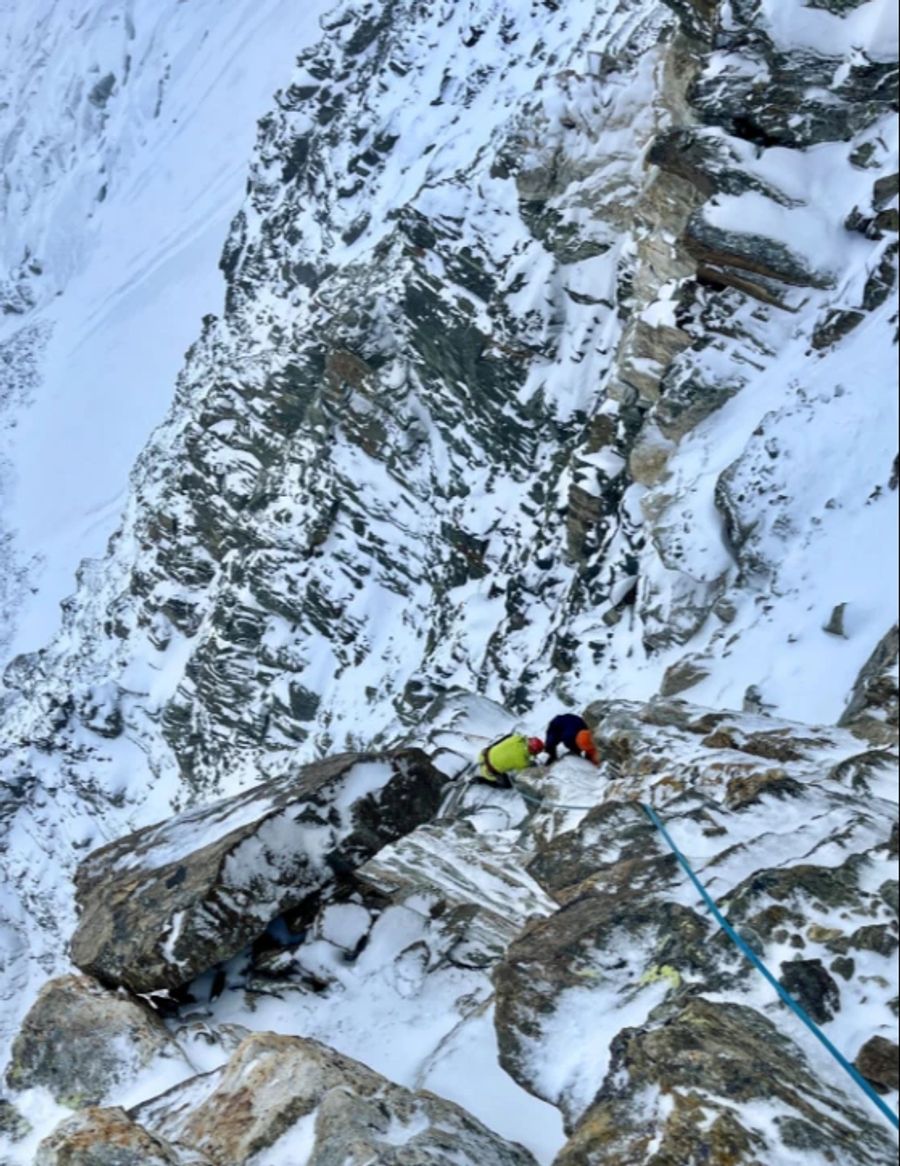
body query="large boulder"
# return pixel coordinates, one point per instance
(477, 897)
(614, 948)
(323, 1109)
(168, 902)
(80, 1041)
(752, 262)
(108, 1137)
(877, 1060)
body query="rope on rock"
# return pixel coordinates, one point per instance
(745, 950)
(539, 801)
(754, 959)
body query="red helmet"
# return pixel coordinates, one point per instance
(535, 745)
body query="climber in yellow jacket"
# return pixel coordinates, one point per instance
(507, 755)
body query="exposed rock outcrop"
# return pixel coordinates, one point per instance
(872, 711)
(81, 1041)
(479, 898)
(326, 1108)
(630, 934)
(561, 936)
(516, 399)
(681, 1080)
(162, 905)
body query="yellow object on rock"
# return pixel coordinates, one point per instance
(661, 972)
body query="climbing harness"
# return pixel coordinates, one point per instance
(745, 950)
(754, 959)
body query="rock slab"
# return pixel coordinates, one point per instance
(166, 903)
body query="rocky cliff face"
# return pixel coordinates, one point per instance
(482, 359)
(553, 361)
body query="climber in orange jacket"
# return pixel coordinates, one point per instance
(572, 732)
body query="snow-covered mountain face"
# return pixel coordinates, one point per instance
(557, 360)
(498, 403)
(125, 131)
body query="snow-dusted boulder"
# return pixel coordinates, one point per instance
(596, 948)
(108, 1137)
(80, 1041)
(168, 902)
(313, 1106)
(692, 1080)
(478, 898)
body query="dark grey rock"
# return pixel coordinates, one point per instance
(836, 324)
(885, 190)
(776, 97)
(108, 1137)
(877, 937)
(689, 394)
(812, 987)
(102, 90)
(684, 674)
(12, 1124)
(843, 966)
(698, 18)
(890, 893)
(882, 280)
(835, 625)
(838, 7)
(873, 711)
(711, 161)
(723, 250)
(615, 832)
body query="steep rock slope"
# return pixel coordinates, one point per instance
(497, 402)
(540, 365)
(125, 131)
(226, 628)
(550, 929)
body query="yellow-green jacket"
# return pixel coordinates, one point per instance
(505, 756)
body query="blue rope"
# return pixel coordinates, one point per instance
(743, 947)
(761, 967)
